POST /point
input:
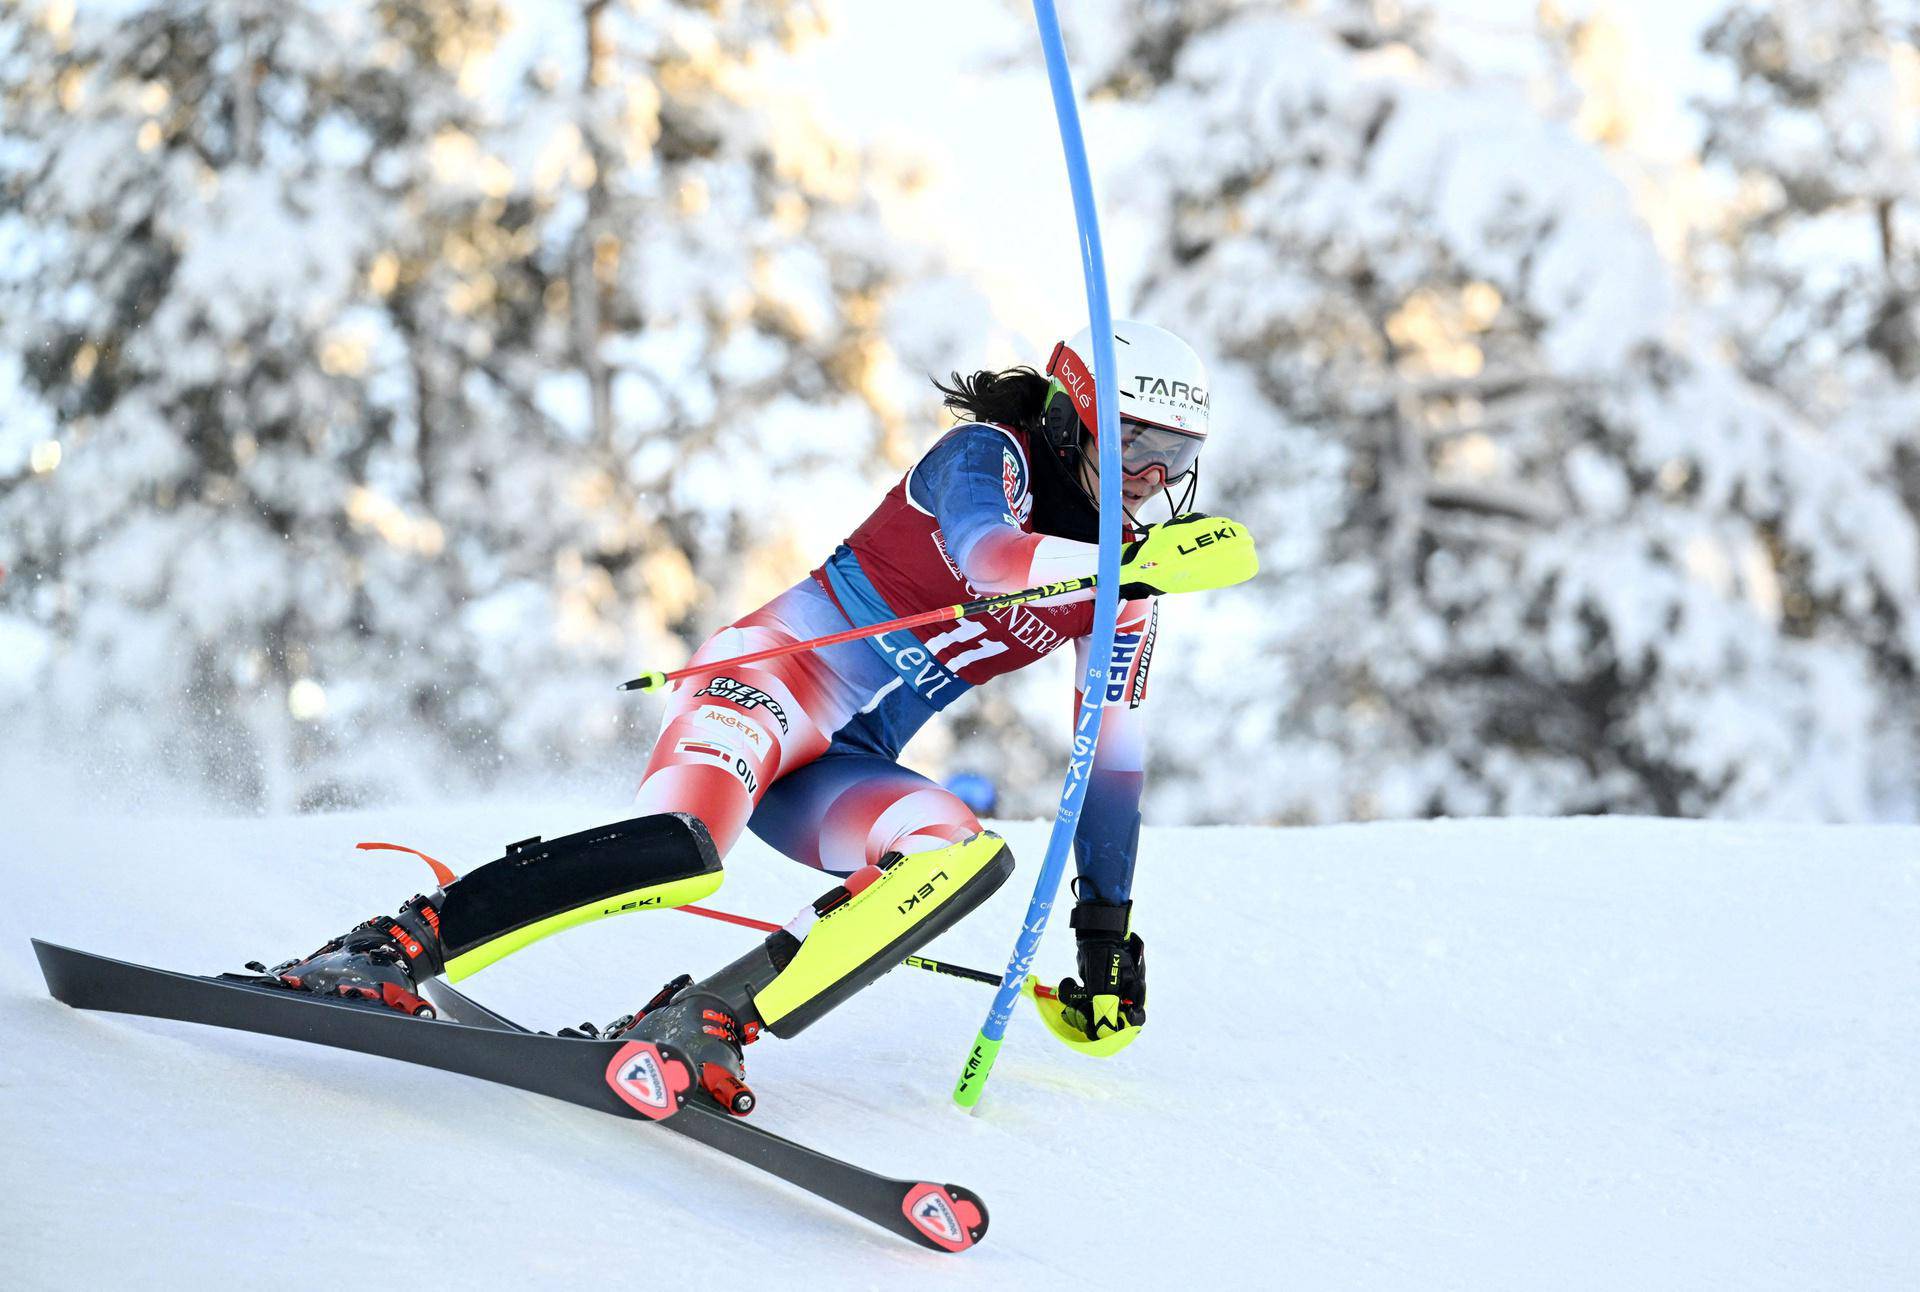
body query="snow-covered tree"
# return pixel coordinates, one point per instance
(390, 378)
(1813, 265)
(1532, 544)
(1820, 132)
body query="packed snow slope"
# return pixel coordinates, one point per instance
(1522, 1054)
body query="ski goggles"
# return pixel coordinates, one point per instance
(1156, 453)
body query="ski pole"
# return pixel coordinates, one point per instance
(654, 681)
(918, 962)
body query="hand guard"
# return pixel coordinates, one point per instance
(1190, 553)
(1111, 994)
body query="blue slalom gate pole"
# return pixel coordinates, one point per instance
(1106, 602)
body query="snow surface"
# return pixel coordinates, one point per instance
(1592, 1053)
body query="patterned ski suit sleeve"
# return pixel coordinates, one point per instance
(1109, 831)
(973, 481)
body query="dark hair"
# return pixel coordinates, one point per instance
(1012, 396)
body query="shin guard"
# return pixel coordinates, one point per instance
(544, 886)
(858, 937)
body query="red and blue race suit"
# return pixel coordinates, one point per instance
(804, 750)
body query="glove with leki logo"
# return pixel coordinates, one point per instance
(1190, 553)
(1110, 995)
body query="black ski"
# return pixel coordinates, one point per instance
(627, 1079)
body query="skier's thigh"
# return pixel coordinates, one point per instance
(848, 809)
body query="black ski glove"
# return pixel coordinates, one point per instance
(1113, 969)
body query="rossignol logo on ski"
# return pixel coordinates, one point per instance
(935, 1216)
(647, 1081)
(747, 697)
(947, 1219)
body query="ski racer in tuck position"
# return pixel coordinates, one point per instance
(803, 750)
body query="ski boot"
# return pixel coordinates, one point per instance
(699, 1024)
(382, 960)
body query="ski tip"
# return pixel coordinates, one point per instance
(55, 962)
(945, 1217)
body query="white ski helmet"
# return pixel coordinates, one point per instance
(1163, 399)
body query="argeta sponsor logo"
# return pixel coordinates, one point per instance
(735, 724)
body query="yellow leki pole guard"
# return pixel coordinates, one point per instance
(1052, 1013)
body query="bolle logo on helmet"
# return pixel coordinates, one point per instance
(1077, 380)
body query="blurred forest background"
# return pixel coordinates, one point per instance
(381, 381)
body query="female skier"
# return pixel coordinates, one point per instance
(804, 749)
